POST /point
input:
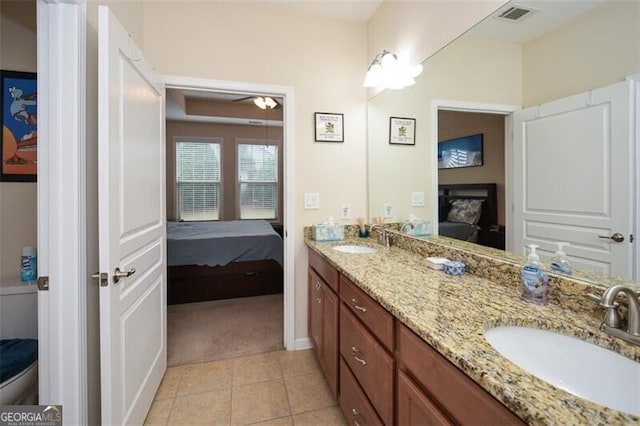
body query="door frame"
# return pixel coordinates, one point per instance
(635, 105)
(62, 218)
(486, 108)
(287, 93)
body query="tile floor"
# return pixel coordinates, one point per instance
(283, 388)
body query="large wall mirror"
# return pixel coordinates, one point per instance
(472, 86)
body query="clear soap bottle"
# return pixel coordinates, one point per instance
(535, 281)
(560, 262)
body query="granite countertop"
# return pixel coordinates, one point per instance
(451, 313)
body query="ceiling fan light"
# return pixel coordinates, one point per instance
(270, 102)
(260, 102)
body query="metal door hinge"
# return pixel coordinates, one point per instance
(43, 283)
(103, 277)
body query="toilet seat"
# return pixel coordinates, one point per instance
(17, 388)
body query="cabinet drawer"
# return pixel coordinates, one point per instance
(369, 362)
(354, 403)
(463, 399)
(328, 273)
(372, 315)
(414, 408)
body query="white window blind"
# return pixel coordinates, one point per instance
(258, 181)
(198, 180)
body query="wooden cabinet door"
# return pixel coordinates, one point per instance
(414, 408)
(316, 313)
(330, 337)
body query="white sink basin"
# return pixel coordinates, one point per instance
(355, 249)
(581, 368)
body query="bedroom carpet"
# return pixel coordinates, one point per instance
(220, 329)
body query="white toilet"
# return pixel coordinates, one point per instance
(18, 344)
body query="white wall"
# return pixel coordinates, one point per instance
(18, 226)
(323, 59)
(601, 47)
(415, 30)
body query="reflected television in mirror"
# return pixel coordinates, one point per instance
(460, 152)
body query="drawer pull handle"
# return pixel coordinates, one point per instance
(318, 285)
(355, 305)
(355, 351)
(319, 301)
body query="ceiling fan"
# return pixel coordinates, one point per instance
(262, 102)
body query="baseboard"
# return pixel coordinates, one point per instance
(302, 343)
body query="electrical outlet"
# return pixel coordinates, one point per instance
(417, 199)
(388, 210)
(311, 201)
(346, 211)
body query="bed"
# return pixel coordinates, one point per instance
(467, 209)
(222, 260)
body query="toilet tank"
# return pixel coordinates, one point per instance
(18, 309)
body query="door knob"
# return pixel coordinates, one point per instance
(617, 237)
(117, 274)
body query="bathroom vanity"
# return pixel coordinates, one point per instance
(403, 344)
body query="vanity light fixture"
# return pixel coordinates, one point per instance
(387, 72)
(265, 102)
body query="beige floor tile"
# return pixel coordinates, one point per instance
(297, 363)
(208, 408)
(159, 412)
(259, 402)
(205, 377)
(308, 392)
(282, 421)
(170, 382)
(327, 416)
(257, 368)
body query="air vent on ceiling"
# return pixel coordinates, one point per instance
(515, 13)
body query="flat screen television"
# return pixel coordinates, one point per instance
(460, 152)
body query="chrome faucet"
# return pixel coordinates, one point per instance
(612, 323)
(384, 235)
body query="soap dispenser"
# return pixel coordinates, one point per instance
(535, 281)
(560, 262)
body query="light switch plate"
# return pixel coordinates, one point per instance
(346, 211)
(417, 199)
(311, 201)
(388, 210)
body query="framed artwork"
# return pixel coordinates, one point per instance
(402, 131)
(19, 142)
(466, 151)
(329, 127)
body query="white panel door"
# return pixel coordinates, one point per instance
(132, 226)
(573, 178)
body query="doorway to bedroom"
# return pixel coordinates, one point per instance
(225, 233)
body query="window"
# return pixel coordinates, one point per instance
(258, 181)
(198, 180)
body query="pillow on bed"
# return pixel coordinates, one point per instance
(467, 211)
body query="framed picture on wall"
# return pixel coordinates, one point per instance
(466, 151)
(329, 127)
(402, 131)
(19, 141)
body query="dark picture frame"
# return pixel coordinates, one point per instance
(19, 139)
(466, 151)
(402, 131)
(329, 127)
